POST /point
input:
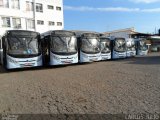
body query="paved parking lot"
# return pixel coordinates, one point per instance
(120, 86)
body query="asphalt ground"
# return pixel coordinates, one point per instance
(129, 86)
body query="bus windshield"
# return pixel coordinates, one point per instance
(90, 45)
(130, 45)
(18, 45)
(142, 45)
(120, 45)
(105, 46)
(63, 45)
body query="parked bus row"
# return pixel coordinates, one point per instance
(21, 48)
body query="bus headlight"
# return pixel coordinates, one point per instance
(55, 57)
(39, 59)
(12, 61)
(85, 56)
(75, 57)
(116, 53)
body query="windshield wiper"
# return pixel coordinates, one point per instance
(20, 41)
(62, 40)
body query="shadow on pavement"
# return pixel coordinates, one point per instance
(3, 70)
(145, 60)
(141, 60)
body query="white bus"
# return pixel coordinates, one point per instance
(88, 46)
(21, 49)
(155, 47)
(130, 47)
(118, 47)
(60, 47)
(141, 46)
(105, 46)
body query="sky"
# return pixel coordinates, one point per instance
(108, 15)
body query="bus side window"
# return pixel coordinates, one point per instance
(0, 43)
(6, 43)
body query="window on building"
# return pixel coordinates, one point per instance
(15, 4)
(40, 22)
(59, 23)
(30, 24)
(16, 22)
(50, 7)
(51, 23)
(1, 3)
(4, 3)
(6, 22)
(58, 8)
(39, 7)
(29, 6)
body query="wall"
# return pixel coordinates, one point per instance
(47, 15)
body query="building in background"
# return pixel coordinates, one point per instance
(34, 15)
(125, 33)
(155, 41)
(130, 33)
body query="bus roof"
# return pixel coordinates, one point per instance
(21, 33)
(104, 36)
(58, 32)
(80, 32)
